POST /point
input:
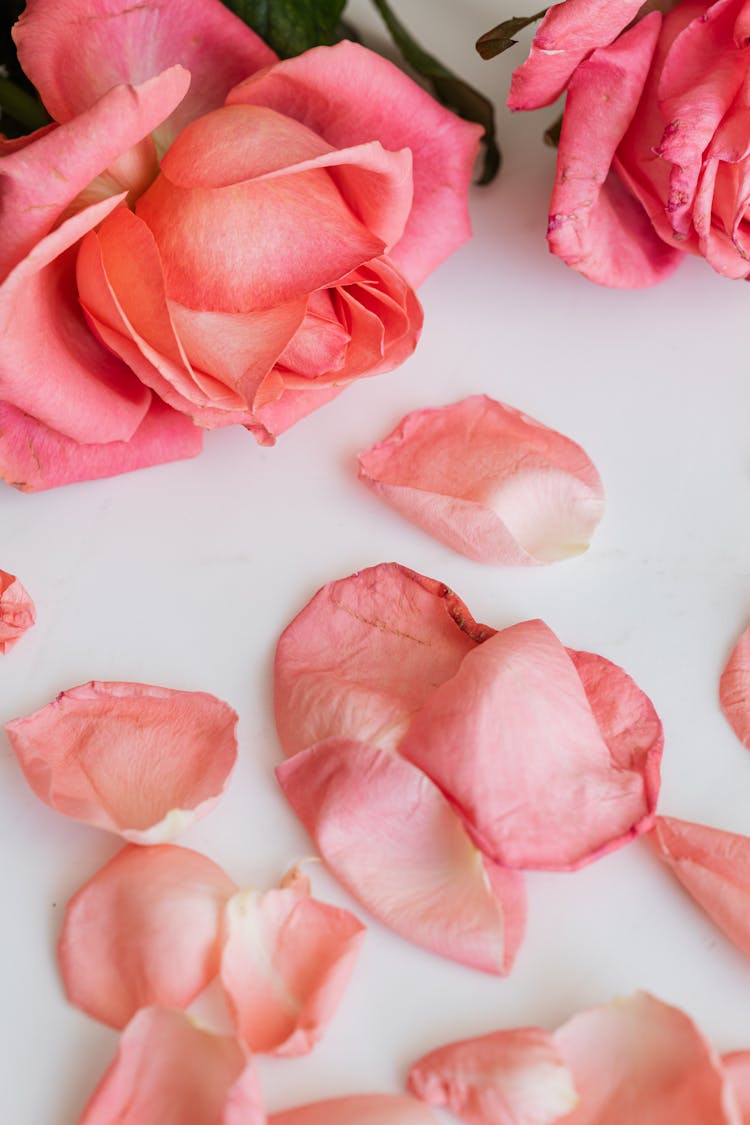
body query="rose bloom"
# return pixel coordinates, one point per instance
(206, 235)
(654, 156)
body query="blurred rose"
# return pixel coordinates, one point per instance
(207, 235)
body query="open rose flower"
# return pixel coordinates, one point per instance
(654, 155)
(206, 235)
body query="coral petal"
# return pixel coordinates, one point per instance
(737, 1069)
(367, 1109)
(734, 689)
(17, 613)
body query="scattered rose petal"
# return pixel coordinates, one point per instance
(17, 613)
(737, 1069)
(734, 689)
(367, 1109)
(146, 929)
(138, 760)
(506, 1078)
(714, 867)
(490, 482)
(286, 962)
(169, 1071)
(392, 839)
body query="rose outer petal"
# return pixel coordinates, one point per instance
(367, 1109)
(144, 930)
(489, 481)
(734, 689)
(169, 1070)
(737, 1069)
(138, 760)
(392, 840)
(17, 612)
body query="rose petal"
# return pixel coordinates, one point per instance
(506, 1078)
(274, 418)
(367, 1109)
(144, 930)
(734, 689)
(489, 481)
(168, 1071)
(639, 1060)
(737, 1069)
(33, 457)
(285, 965)
(139, 760)
(391, 838)
(17, 613)
(364, 655)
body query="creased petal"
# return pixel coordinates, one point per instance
(639, 1060)
(506, 1078)
(146, 929)
(169, 1071)
(367, 1109)
(285, 965)
(391, 838)
(489, 481)
(138, 760)
(274, 418)
(734, 689)
(17, 613)
(737, 1069)
(365, 653)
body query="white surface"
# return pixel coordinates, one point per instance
(185, 575)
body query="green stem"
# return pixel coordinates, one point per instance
(22, 107)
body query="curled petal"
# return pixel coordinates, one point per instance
(364, 655)
(367, 1109)
(506, 1078)
(286, 962)
(17, 613)
(168, 1070)
(737, 1069)
(734, 689)
(489, 481)
(138, 760)
(146, 929)
(391, 838)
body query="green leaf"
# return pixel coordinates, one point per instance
(23, 107)
(501, 37)
(451, 90)
(291, 26)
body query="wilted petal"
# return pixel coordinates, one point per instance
(169, 1071)
(139, 760)
(17, 613)
(286, 962)
(734, 689)
(365, 653)
(489, 481)
(506, 1078)
(367, 1109)
(146, 929)
(392, 839)
(737, 1069)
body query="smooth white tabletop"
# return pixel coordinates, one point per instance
(184, 575)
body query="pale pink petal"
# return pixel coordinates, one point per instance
(139, 760)
(146, 929)
(714, 867)
(364, 655)
(17, 613)
(285, 965)
(737, 1069)
(33, 457)
(351, 96)
(734, 689)
(489, 481)
(170, 1071)
(637, 1060)
(366, 1109)
(391, 838)
(513, 741)
(506, 1078)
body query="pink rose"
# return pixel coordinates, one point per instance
(206, 235)
(654, 155)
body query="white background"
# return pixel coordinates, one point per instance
(184, 575)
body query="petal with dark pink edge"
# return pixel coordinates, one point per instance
(640, 1060)
(714, 867)
(737, 1069)
(351, 96)
(52, 367)
(285, 965)
(33, 457)
(734, 689)
(17, 612)
(139, 760)
(568, 33)
(364, 655)
(506, 1078)
(393, 841)
(595, 225)
(513, 742)
(170, 1071)
(115, 41)
(146, 929)
(365, 1109)
(489, 481)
